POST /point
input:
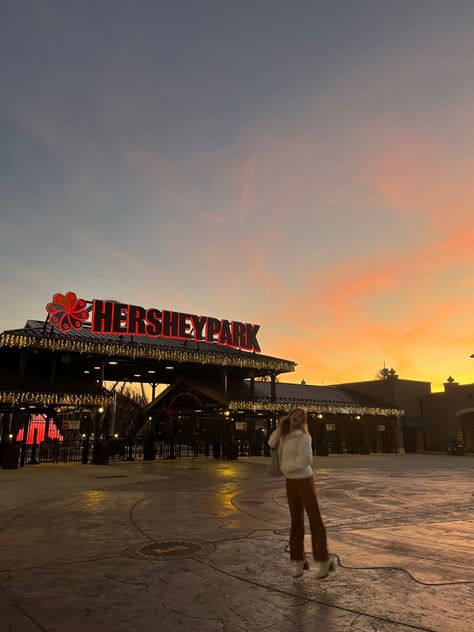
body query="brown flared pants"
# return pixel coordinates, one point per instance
(301, 494)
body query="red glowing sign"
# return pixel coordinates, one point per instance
(37, 429)
(67, 312)
(110, 317)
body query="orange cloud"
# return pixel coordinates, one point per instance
(425, 166)
(344, 325)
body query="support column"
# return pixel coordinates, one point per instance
(22, 367)
(6, 421)
(225, 382)
(268, 432)
(100, 450)
(49, 416)
(33, 460)
(24, 444)
(273, 387)
(53, 369)
(10, 452)
(15, 422)
(398, 432)
(113, 415)
(459, 432)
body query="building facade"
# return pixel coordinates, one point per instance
(433, 422)
(219, 395)
(219, 400)
(450, 416)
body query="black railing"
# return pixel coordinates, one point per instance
(113, 450)
(53, 452)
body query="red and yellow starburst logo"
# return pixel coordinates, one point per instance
(67, 312)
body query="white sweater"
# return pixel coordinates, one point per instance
(294, 453)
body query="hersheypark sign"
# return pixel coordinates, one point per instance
(68, 312)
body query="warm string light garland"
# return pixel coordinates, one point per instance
(181, 355)
(54, 399)
(141, 351)
(68, 399)
(276, 406)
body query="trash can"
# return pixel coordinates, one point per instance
(455, 448)
(149, 453)
(232, 451)
(365, 446)
(10, 457)
(85, 452)
(100, 453)
(322, 448)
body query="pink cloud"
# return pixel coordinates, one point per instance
(424, 166)
(335, 334)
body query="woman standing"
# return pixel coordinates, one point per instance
(293, 442)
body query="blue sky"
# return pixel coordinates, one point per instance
(304, 165)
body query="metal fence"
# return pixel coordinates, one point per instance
(85, 451)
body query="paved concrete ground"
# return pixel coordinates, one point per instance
(200, 545)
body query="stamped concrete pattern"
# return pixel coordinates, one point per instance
(202, 545)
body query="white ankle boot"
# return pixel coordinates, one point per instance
(326, 567)
(298, 567)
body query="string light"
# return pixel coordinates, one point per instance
(55, 399)
(245, 360)
(182, 355)
(313, 408)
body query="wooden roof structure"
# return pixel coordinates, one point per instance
(71, 368)
(314, 399)
(41, 335)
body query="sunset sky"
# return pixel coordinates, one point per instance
(304, 165)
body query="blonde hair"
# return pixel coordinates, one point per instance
(284, 423)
